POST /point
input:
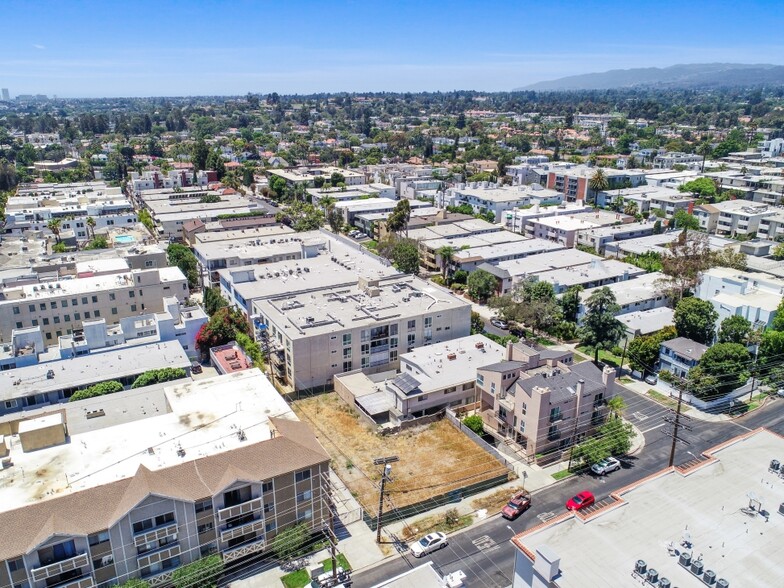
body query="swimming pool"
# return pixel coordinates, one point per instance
(124, 239)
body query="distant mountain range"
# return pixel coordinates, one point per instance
(694, 75)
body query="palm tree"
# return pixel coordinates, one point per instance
(91, 226)
(445, 253)
(630, 208)
(54, 226)
(598, 182)
(616, 406)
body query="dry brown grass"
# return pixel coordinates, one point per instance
(495, 501)
(434, 459)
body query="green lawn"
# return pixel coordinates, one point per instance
(562, 474)
(667, 401)
(342, 563)
(297, 579)
(604, 355)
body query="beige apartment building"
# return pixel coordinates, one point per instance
(141, 498)
(59, 307)
(539, 401)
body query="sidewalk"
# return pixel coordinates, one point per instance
(642, 388)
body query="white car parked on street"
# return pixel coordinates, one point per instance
(429, 544)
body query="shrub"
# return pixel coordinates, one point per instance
(201, 573)
(99, 389)
(158, 376)
(475, 423)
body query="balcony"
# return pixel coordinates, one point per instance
(243, 550)
(240, 509)
(155, 534)
(159, 579)
(553, 434)
(159, 555)
(239, 531)
(60, 567)
(83, 582)
(556, 417)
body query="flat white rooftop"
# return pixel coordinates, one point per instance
(747, 551)
(242, 234)
(197, 419)
(628, 292)
(84, 370)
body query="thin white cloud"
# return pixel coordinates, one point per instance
(37, 46)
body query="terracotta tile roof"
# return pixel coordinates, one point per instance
(294, 448)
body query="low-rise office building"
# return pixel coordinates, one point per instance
(662, 527)
(201, 473)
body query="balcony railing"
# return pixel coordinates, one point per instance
(244, 549)
(243, 508)
(72, 563)
(249, 527)
(83, 582)
(554, 418)
(155, 534)
(553, 435)
(159, 555)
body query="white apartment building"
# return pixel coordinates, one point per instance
(772, 226)
(635, 295)
(59, 307)
(486, 197)
(739, 217)
(179, 178)
(319, 334)
(754, 296)
(307, 175)
(670, 159)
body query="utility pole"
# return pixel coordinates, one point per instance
(675, 421)
(623, 356)
(385, 461)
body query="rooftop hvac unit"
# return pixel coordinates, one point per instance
(696, 568)
(774, 465)
(722, 583)
(652, 576)
(664, 583)
(685, 559)
(640, 567)
(781, 508)
(709, 578)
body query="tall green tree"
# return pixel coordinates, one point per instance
(734, 329)
(598, 182)
(600, 328)
(400, 216)
(722, 368)
(54, 226)
(481, 285)
(643, 351)
(445, 254)
(182, 257)
(696, 319)
(683, 220)
(777, 324)
(199, 155)
(405, 256)
(570, 303)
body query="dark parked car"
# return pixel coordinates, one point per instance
(517, 505)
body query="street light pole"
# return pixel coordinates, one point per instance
(385, 461)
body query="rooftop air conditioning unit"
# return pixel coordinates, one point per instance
(664, 583)
(709, 577)
(685, 559)
(640, 567)
(696, 568)
(722, 583)
(652, 576)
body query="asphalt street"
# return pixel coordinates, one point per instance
(484, 551)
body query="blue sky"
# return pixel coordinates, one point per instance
(173, 47)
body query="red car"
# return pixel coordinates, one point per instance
(582, 500)
(517, 505)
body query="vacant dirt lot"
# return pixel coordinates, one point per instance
(434, 459)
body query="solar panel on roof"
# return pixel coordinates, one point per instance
(406, 382)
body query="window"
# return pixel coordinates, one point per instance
(16, 310)
(31, 307)
(411, 339)
(131, 294)
(57, 320)
(97, 313)
(18, 325)
(555, 414)
(205, 527)
(393, 329)
(347, 366)
(347, 339)
(269, 527)
(52, 305)
(133, 308)
(209, 548)
(303, 496)
(10, 403)
(492, 388)
(428, 322)
(84, 299)
(112, 296)
(422, 397)
(77, 316)
(392, 356)
(365, 362)
(42, 306)
(14, 565)
(365, 349)
(524, 408)
(46, 321)
(86, 314)
(102, 562)
(411, 325)
(302, 476)
(267, 486)
(114, 310)
(347, 353)
(95, 300)
(74, 301)
(393, 342)
(480, 379)
(98, 538)
(268, 507)
(203, 505)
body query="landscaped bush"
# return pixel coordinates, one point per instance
(100, 389)
(158, 376)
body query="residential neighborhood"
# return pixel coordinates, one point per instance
(393, 334)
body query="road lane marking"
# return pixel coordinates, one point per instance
(654, 428)
(485, 544)
(640, 416)
(545, 516)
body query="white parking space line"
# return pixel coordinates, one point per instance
(659, 426)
